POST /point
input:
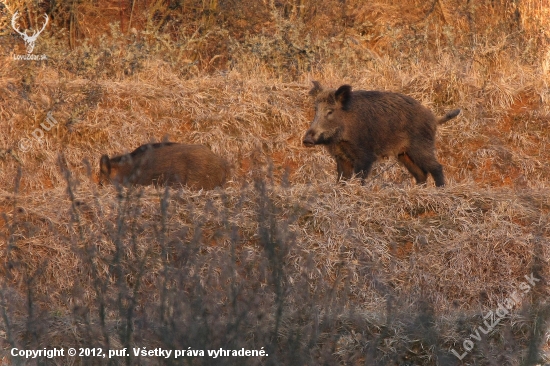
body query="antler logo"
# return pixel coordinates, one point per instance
(29, 40)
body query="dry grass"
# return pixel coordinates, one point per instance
(318, 273)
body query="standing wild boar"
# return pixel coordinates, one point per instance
(361, 126)
(195, 166)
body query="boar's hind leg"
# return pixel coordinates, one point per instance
(437, 174)
(345, 169)
(428, 163)
(419, 175)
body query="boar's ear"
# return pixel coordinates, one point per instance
(317, 88)
(343, 94)
(105, 165)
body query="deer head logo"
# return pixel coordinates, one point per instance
(29, 40)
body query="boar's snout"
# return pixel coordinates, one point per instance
(308, 139)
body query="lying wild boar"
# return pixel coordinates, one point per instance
(195, 166)
(361, 126)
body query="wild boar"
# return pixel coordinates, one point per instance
(359, 127)
(194, 166)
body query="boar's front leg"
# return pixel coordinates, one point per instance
(362, 167)
(344, 167)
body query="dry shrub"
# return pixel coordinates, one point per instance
(308, 269)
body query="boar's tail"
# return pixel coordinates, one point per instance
(450, 115)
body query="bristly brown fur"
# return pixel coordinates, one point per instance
(362, 126)
(170, 163)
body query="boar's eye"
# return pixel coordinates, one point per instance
(329, 112)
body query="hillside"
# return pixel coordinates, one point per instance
(386, 273)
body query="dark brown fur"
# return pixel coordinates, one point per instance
(361, 126)
(195, 166)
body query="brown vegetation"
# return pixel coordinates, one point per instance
(281, 258)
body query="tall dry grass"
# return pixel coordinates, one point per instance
(282, 258)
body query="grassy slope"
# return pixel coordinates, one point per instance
(462, 249)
